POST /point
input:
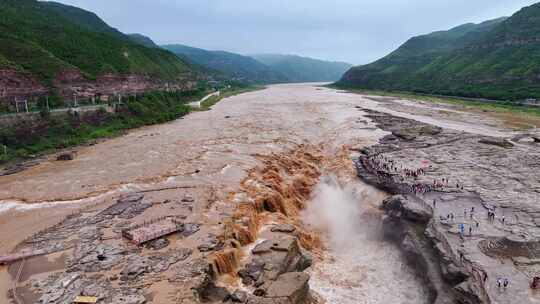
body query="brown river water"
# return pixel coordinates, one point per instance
(213, 152)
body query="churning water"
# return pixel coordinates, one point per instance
(358, 267)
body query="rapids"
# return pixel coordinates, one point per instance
(283, 136)
(358, 265)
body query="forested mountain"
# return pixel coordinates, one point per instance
(497, 59)
(42, 41)
(303, 69)
(142, 40)
(239, 67)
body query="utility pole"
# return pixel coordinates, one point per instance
(17, 105)
(47, 103)
(75, 103)
(26, 105)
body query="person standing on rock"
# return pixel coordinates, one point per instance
(506, 283)
(503, 220)
(499, 282)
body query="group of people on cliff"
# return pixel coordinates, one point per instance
(388, 170)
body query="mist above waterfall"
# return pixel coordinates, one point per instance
(339, 212)
(359, 266)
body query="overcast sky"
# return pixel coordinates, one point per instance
(356, 31)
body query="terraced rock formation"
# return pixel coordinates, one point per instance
(472, 250)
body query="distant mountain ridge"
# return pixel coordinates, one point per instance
(496, 59)
(263, 68)
(142, 40)
(304, 69)
(239, 67)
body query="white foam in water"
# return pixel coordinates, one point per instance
(8, 205)
(359, 268)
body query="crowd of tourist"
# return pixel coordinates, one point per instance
(407, 179)
(389, 171)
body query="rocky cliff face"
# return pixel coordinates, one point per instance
(48, 47)
(73, 82)
(19, 85)
(469, 218)
(15, 84)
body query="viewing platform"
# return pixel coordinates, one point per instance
(151, 230)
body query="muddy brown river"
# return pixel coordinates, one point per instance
(209, 155)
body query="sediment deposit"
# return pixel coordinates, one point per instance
(251, 188)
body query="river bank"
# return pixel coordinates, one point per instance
(467, 176)
(241, 179)
(28, 138)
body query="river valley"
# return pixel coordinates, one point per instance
(260, 172)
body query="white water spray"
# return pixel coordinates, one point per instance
(359, 267)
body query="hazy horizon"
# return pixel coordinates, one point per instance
(340, 30)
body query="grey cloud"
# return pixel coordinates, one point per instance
(357, 31)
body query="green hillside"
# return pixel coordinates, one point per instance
(303, 69)
(142, 40)
(44, 38)
(498, 59)
(242, 68)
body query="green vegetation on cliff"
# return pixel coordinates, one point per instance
(45, 38)
(51, 132)
(143, 40)
(497, 59)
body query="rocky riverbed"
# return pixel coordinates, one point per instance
(446, 229)
(247, 185)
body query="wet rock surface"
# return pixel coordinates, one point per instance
(462, 249)
(19, 167)
(291, 287)
(158, 244)
(285, 228)
(279, 255)
(99, 262)
(500, 142)
(66, 156)
(408, 207)
(189, 175)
